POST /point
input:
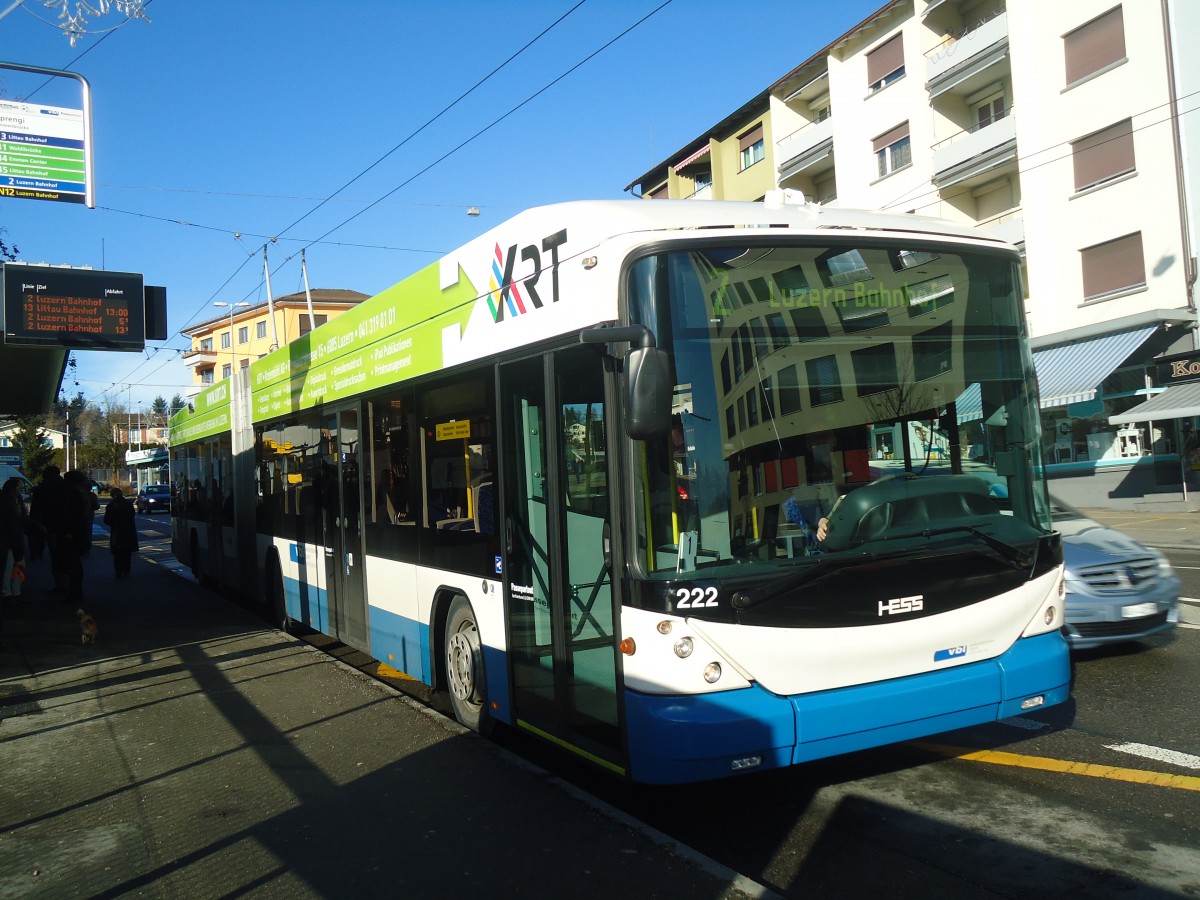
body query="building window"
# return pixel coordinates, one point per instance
(789, 391)
(1095, 46)
(305, 327)
(206, 377)
(892, 150)
(206, 344)
(824, 381)
(243, 334)
(226, 370)
(752, 148)
(1113, 267)
(702, 182)
(260, 329)
(989, 111)
(1104, 155)
(244, 364)
(842, 267)
(926, 296)
(932, 351)
(874, 369)
(885, 64)
(226, 340)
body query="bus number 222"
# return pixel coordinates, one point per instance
(695, 598)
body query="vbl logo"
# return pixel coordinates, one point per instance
(506, 293)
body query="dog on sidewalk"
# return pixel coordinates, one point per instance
(87, 627)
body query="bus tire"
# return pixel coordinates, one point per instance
(277, 601)
(464, 668)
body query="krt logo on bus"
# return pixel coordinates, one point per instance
(506, 293)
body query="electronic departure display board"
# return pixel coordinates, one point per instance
(87, 308)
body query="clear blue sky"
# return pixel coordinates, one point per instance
(227, 117)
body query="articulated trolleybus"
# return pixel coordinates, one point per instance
(688, 488)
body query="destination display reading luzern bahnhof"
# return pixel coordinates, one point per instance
(73, 307)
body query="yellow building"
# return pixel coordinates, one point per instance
(242, 333)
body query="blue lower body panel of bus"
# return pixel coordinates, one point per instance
(675, 739)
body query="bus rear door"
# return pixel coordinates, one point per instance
(342, 516)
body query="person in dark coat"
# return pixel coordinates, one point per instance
(78, 533)
(11, 537)
(48, 507)
(119, 516)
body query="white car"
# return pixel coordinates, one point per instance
(1117, 589)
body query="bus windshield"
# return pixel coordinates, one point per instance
(843, 401)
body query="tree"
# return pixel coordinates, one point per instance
(7, 252)
(73, 14)
(31, 441)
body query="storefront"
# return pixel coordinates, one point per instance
(149, 466)
(1095, 383)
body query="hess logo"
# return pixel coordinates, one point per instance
(901, 605)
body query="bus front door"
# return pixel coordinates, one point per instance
(341, 511)
(559, 591)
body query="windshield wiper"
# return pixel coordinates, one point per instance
(1018, 557)
(743, 600)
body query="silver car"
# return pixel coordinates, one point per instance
(1117, 589)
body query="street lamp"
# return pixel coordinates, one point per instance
(232, 309)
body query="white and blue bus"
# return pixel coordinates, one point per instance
(688, 488)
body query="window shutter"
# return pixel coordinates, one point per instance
(890, 137)
(751, 137)
(1103, 155)
(884, 59)
(1113, 265)
(1095, 45)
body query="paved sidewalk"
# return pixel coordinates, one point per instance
(194, 752)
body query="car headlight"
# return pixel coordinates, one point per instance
(1164, 565)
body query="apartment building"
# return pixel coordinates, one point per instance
(1061, 127)
(241, 332)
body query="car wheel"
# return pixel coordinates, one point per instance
(464, 668)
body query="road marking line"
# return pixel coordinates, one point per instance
(1174, 757)
(1115, 773)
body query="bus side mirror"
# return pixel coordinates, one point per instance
(648, 393)
(648, 387)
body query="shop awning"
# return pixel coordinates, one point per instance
(1180, 401)
(1071, 373)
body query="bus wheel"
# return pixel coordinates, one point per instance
(277, 600)
(464, 668)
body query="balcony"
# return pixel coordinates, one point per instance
(805, 149)
(963, 64)
(972, 155)
(197, 357)
(1009, 226)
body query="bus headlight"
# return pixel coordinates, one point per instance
(683, 647)
(1049, 614)
(712, 672)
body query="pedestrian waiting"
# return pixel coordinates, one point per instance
(122, 531)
